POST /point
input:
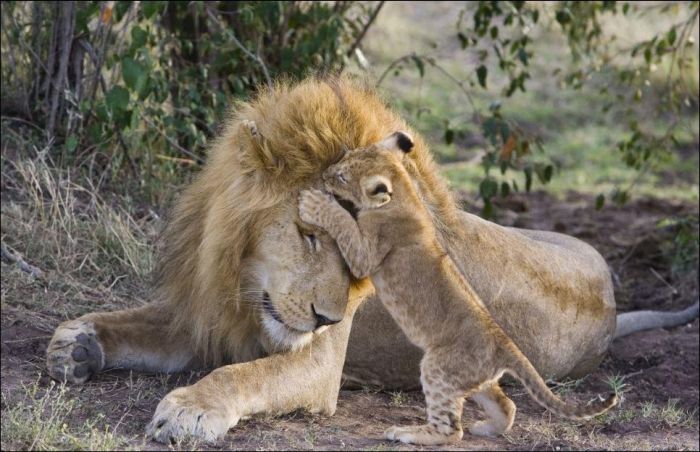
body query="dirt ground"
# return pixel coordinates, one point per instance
(660, 367)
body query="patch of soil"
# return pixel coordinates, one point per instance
(629, 237)
(658, 365)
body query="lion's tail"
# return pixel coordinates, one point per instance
(523, 370)
(631, 322)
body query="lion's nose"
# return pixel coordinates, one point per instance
(322, 320)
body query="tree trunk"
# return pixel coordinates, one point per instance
(66, 25)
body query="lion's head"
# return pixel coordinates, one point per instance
(242, 273)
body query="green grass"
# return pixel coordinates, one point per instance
(45, 420)
(668, 414)
(587, 161)
(398, 398)
(617, 385)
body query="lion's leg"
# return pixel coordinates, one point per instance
(279, 383)
(133, 338)
(499, 409)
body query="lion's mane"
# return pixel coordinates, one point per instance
(307, 126)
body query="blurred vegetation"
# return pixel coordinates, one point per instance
(135, 89)
(129, 93)
(532, 79)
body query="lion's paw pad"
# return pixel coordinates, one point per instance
(74, 353)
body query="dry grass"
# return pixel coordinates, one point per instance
(39, 420)
(91, 250)
(93, 255)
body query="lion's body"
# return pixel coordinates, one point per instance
(573, 332)
(551, 293)
(391, 239)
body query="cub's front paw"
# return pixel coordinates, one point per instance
(312, 205)
(185, 413)
(74, 353)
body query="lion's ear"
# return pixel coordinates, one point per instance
(397, 141)
(256, 147)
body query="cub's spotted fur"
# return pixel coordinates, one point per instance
(393, 241)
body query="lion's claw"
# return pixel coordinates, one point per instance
(180, 415)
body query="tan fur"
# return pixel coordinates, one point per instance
(235, 231)
(393, 240)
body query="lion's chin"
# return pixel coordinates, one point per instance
(284, 338)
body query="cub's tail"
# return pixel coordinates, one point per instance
(524, 371)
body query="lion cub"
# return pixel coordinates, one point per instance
(394, 242)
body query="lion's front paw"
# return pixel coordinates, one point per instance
(312, 205)
(74, 353)
(182, 414)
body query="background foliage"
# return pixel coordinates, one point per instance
(135, 89)
(641, 82)
(140, 86)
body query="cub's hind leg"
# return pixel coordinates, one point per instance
(444, 398)
(444, 420)
(499, 410)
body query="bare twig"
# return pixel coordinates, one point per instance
(661, 278)
(13, 257)
(174, 143)
(176, 159)
(392, 65)
(431, 61)
(23, 121)
(125, 149)
(457, 82)
(253, 56)
(362, 34)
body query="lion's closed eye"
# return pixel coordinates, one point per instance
(310, 238)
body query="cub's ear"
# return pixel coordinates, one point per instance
(377, 190)
(397, 141)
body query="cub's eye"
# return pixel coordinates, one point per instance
(341, 178)
(312, 241)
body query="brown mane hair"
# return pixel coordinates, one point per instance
(306, 126)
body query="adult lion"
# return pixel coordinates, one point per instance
(242, 280)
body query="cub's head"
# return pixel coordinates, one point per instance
(364, 176)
